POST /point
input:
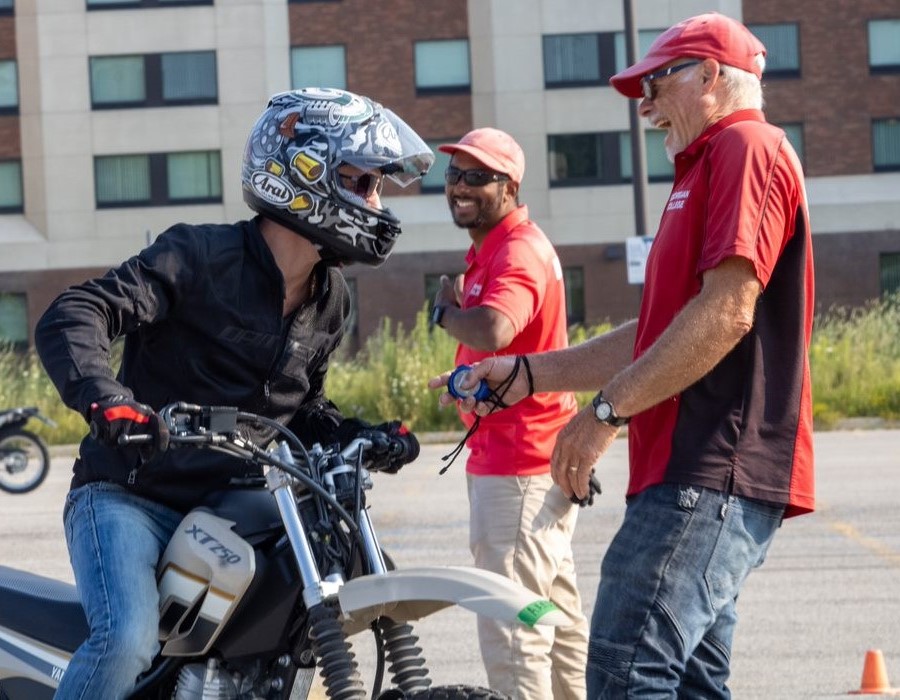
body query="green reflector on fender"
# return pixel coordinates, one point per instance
(535, 611)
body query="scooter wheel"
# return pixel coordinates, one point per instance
(24, 461)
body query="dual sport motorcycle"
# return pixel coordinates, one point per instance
(266, 582)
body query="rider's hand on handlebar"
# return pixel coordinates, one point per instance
(393, 445)
(115, 419)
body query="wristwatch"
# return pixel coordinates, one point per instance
(437, 315)
(604, 412)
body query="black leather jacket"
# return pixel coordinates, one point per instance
(201, 313)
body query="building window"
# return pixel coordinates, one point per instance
(575, 159)
(158, 179)
(573, 278)
(434, 181)
(10, 186)
(9, 88)
(782, 42)
(13, 320)
(886, 144)
(794, 133)
(154, 80)
(442, 66)
(571, 60)
(319, 66)
(603, 158)
(889, 266)
(659, 168)
(6, 7)
(645, 38)
(884, 45)
(140, 4)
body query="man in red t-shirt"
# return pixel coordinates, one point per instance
(511, 301)
(713, 376)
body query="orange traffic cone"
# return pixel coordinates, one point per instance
(874, 676)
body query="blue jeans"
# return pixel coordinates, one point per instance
(115, 540)
(664, 619)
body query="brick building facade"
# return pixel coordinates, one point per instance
(833, 98)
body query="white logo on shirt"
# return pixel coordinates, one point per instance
(475, 290)
(677, 199)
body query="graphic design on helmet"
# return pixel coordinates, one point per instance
(315, 162)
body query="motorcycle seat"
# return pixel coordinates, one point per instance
(41, 608)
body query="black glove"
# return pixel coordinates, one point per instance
(393, 445)
(593, 488)
(117, 416)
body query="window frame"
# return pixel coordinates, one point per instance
(295, 85)
(893, 260)
(20, 207)
(439, 157)
(881, 69)
(154, 84)
(21, 344)
(780, 73)
(449, 89)
(801, 153)
(562, 84)
(159, 183)
(6, 110)
(891, 167)
(575, 305)
(143, 4)
(610, 164)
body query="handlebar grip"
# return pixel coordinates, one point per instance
(140, 439)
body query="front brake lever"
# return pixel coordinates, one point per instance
(593, 488)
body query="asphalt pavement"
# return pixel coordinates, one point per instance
(828, 592)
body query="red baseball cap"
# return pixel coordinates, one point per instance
(493, 148)
(705, 36)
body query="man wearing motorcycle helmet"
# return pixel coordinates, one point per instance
(243, 314)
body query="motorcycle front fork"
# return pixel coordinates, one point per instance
(340, 671)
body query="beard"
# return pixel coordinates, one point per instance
(486, 214)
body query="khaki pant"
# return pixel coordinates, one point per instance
(522, 527)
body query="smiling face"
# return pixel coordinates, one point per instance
(478, 208)
(682, 103)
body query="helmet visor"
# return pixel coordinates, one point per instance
(397, 151)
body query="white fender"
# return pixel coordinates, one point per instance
(411, 594)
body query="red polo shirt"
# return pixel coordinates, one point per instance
(517, 272)
(747, 425)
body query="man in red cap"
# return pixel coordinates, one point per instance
(511, 301)
(712, 378)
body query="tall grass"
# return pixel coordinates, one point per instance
(855, 361)
(388, 378)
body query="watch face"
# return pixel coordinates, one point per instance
(603, 410)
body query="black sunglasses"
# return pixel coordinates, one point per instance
(473, 178)
(364, 184)
(647, 81)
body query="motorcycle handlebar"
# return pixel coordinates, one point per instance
(191, 424)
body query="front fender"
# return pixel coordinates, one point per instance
(411, 594)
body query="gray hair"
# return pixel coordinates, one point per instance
(743, 90)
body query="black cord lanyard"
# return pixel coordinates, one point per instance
(495, 399)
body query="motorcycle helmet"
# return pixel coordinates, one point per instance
(290, 169)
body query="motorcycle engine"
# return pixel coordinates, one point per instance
(196, 682)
